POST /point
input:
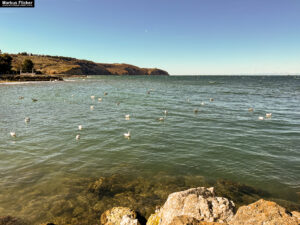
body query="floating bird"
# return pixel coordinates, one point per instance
(92, 107)
(268, 115)
(118, 103)
(148, 92)
(202, 103)
(13, 134)
(127, 117)
(250, 109)
(80, 127)
(166, 112)
(261, 118)
(127, 135)
(211, 99)
(27, 119)
(77, 137)
(34, 100)
(161, 119)
(99, 99)
(105, 93)
(196, 111)
(93, 97)
(21, 97)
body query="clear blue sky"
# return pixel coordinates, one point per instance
(180, 36)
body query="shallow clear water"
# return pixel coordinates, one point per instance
(222, 140)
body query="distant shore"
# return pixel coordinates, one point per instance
(22, 78)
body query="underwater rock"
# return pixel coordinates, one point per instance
(9, 220)
(119, 215)
(264, 212)
(199, 203)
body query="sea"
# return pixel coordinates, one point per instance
(185, 131)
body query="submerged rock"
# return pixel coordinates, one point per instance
(199, 203)
(264, 212)
(119, 215)
(9, 220)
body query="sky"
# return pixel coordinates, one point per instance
(183, 37)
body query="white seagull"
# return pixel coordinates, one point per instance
(80, 127)
(77, 137)
(99, 99)
(13, 134)
(27, 119)
(127, 117)
(261, 118)
(166, 112)
(127, 135)
(268, 115)
(250, 109)
(93, 97)
(92, 107)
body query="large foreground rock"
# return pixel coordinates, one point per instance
(198, 203)
(266, 213)
(119, 216)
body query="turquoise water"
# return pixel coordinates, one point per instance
(223, 140)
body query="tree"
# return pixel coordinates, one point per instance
(27, 66)
(5, 63)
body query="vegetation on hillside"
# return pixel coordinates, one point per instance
(61, 65)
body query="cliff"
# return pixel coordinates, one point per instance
(59, 65)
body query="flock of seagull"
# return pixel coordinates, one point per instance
(127, 116)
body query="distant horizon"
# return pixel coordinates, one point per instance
(194, 37)
(237, 74)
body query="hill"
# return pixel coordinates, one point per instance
(59, 65)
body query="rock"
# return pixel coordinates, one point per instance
(119, 215)
(9, 220)
(198, 203)
(264, 212)
(126, 220)
(296, 214)
(186, 220)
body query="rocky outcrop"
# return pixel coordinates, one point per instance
(264, 212)
(198, 203)
(119, 215)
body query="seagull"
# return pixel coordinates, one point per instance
(211, 99)
(93, 97)
(127, 117)
(202, 103)
(99, 99)
(92, 107)
(80, 127)
(161, 119)
(21, 97)
(261, 118)
(268, 115)
(13, 134)
(166, 112)
(127, 135)
(105, 93)
(148, 92)
(27, 119)
(250, 109)
(77, 137)
(196, 111)
(34, 100)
